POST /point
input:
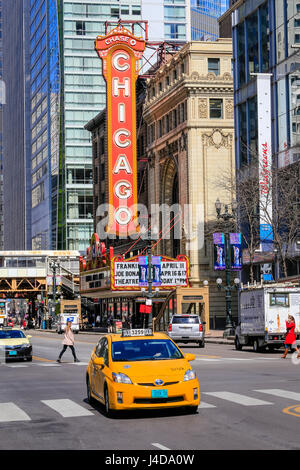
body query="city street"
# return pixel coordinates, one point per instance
(248, 401)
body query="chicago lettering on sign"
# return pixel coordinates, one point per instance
(120, 52)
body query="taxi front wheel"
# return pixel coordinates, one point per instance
(108, 410)
(91, 400)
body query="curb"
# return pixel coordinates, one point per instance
(213, 340)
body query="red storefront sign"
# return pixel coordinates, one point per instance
(120, 52)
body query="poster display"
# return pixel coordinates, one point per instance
(235, 240)
(219, 251)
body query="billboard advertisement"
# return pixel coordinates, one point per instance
(219, 251)
(120, 52)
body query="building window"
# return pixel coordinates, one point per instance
(241, 54)
(80, 28)
(38, 194)
(297, 38)
(214, 66)
(215, 108)
(242, 131)
(252, 43)
(174, 31)
(115, 12)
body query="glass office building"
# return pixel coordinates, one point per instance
(266, 35)
(266, 40)
(16, 125)
(2, 101)
(204, 18)
(67, 90)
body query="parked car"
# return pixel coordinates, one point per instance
(187, 329)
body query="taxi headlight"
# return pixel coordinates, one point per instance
(189, 375)
(25, 345)
(121, 378)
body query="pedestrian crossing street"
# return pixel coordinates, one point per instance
(66, 408)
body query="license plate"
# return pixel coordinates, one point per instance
(159, 393)
(12, 353)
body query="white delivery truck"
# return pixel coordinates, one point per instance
(63, 318)
(263, 312)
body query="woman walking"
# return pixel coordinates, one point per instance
(290, 339)
(68, 341)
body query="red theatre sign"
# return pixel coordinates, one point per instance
(120, 52)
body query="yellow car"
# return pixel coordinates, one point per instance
(14, 344)
(141, 369)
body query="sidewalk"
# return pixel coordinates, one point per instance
(213, 336)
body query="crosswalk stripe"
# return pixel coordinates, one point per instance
(11, 412)
(47, 365)
(207, 360)
(277, 392)
(16, 365)
(159, 446)
(79, 363)
(203, 404)
(237, 398)
(67, 408)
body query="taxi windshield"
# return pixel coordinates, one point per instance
(11, 334)
(145, 350)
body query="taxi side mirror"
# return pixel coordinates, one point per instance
(190, 357)
(29, 336)
(99, 361)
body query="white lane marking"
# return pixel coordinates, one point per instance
(277, 392)
(207, 360)
(159, 446)
(203, 404)
(238, 359)
(237, 398)
(78, 363)
(16, 365)
(46, 364)
(67, 408)
(11, 412)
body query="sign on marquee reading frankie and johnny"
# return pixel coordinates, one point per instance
(121, 52)
(132, 273)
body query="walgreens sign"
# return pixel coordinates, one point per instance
(265, 159)
(120, 52)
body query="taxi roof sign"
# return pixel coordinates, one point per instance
(126, 333)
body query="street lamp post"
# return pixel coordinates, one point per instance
(227, 216)
(149, 294)
(54, 265)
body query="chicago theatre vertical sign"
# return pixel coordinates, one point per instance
(120, 52)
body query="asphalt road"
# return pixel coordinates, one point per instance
(248, 401)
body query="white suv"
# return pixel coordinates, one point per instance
(187, 329)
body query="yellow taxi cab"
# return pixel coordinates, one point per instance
(141, 369)
(14, 344)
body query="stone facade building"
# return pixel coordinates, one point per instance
(189, 113)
